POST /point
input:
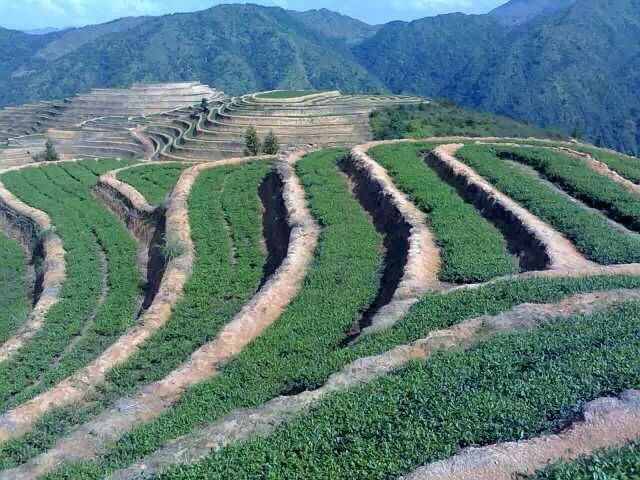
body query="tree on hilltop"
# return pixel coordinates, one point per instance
(271, 144)
(251, 142)
(49, 155)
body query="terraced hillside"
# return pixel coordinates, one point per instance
(103, 122)
(165, 121)
(297, 118)
(442, 308)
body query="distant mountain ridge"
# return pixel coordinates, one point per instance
(563, 65)
(517, 12)
(42, 31)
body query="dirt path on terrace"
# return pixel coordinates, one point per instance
(263, 309)
(27, 223)
(602, 168)
(261, 421)
(562, 253)
(423, 258)
(608, 422)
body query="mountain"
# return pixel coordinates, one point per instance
(517, 12)
(74, 38)
(445, 50)
(42, 31)
(575, 66)
(237, 48)
(336, 25)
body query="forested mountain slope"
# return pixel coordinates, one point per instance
(572, 67)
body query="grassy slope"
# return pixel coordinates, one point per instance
(439, 118)
(14, 301)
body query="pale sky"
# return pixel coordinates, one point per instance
(30, 14)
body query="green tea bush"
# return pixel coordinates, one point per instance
(589, 231)
(593, 188)
(508, 388)
(14, 295)
(303, 347)
(154, 182)
(85, 227)
(472, 249)
(613, 464)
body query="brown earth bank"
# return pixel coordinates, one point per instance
(412, 272)
(145, 223)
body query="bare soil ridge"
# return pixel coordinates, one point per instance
(423, 256)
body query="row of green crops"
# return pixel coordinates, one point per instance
(86, 228)
(226, 229)
(508, 388)
(589, 231)
(155, 181)
(289, 357)
(14, 301)
(585, 184)
(472, 249)
(435, 311)
(613, 464)
(303, 348)
(224, 212)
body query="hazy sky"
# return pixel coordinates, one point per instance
(28, 14)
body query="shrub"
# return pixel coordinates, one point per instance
(49, 154)
(171, 248)
(271, 144)
(251, 142)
